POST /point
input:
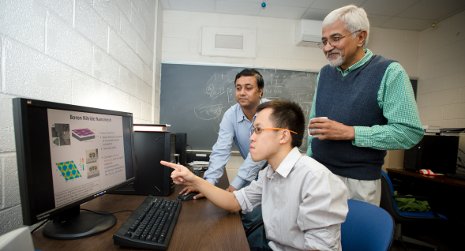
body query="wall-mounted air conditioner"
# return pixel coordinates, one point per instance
(308, 32)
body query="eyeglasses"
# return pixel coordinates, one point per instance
(258, 130)
(334, 39)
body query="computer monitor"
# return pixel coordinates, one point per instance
(68, 155)
(434, 152)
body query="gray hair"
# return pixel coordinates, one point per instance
(354, 17)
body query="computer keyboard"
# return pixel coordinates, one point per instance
(151, 225)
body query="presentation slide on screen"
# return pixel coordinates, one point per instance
(87, 153)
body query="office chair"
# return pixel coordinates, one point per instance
(388, 202)
(367, 227)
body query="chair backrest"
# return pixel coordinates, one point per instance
(389, 203)
(387, 196)
(367, 227)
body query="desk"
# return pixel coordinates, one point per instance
(201, 226)
(446, 194)
(440, 179)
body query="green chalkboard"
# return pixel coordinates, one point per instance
(194, 98)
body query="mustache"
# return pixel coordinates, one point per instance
(333, 51)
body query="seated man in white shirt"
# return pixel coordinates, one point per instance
(303, 203)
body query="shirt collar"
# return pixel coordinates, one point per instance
(240, 114)
(285, 167)
(368, 55)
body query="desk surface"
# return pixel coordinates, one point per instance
(441, 179)
(201, 226)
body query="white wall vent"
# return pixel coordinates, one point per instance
(308, 32)
(229, 42)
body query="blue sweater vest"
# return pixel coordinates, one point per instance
(351, 100)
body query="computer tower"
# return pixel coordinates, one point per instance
(149, 148)
(181, 145)
(435, 152)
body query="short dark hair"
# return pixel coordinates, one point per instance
(287, 114)
(248, 72)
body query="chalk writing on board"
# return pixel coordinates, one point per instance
(208, 112)
(218, 89)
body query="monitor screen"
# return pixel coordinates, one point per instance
(68, 155)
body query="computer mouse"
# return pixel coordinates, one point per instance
(187, 196)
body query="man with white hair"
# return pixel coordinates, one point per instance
(363, 105)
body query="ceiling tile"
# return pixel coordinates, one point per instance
(315, 14)
(377, 20)
(393, 14)
(236, 7)
(400, 23)
(290, 3)
(386, 8)
(434, 10)
(283, 12)
(197, 5)
(331, 5)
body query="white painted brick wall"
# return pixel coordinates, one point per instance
(31, 73)
(10, 185)
(67, 46)
(63, 9)
(128, 80)
(23, 21)
(91, 25)
(105, 68)
(147, 74)
(109, 11)
(96, 53)
(120, 50)
(7, 142)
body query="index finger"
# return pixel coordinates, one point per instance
(169, 164)
(318, 119)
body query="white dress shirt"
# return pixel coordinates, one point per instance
(303, 204)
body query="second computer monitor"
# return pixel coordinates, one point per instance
(149, 148)
(181, 147)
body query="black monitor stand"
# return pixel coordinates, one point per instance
(74, 224)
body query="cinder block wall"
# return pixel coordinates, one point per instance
(95, 53)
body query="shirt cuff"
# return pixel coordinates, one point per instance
(242, 200)
(238, 182)
(362, 136)
(212, 181)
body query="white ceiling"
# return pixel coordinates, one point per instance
(415, 15)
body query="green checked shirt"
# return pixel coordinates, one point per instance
(395, 97)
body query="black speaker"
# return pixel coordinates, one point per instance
(438, 153)
(151, 177)
(181, 145)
